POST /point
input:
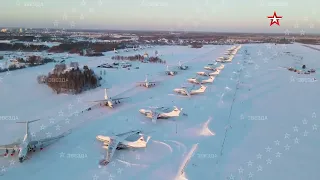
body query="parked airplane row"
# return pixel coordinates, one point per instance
(231, 53)
(121, 141)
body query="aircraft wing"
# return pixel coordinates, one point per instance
(47, 140)
(155, 115)
(153, 82)
(188, 93)
(127, 134)
(117, 99)
(189, 89)
(103, 100)
(10, 146)
(112, 148)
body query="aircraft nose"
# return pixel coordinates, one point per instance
(142, 111)
(99, 137)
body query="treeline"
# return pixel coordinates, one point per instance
(113, 38)
(29, 62)
(139, 57)
(309, 41)
(12, 67)
(22, 47)
(72, 81)
(78, 47)
(27, 38)
(19, 38)
(196, 45)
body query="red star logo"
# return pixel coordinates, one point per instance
(274, 19)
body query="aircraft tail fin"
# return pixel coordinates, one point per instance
(105, 94)
(146, 80)
(177, 111)
(27, 124)
(202, 88)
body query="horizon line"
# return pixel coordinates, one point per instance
(180, 31)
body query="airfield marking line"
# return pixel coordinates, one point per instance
(314, 48)
(230, 112)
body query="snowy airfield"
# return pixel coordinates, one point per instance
(266, 126)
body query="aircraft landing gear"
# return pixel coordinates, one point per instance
(7, 152)
(13, 152)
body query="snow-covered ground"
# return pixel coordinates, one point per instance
(248, 123)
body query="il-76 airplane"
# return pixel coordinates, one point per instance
(161, 113)
(170, 73)
(111, 144)
(188, 91)
(182, 67)
(198, 80)
(110, 102)
(147, 83)
(213, 67)
(28, 145)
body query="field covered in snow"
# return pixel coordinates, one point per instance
(265, 126)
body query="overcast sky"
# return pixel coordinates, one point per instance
(195, 15)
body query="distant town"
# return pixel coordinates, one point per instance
(129, 39)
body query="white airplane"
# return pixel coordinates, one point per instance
(213, 67)
(110, 102)
(188, 91)
(161, 113)
(115, 51)
(204, 73)
(170, 73)
(207, 73)
(147, 83)
(28, 145)
(215, 73)
(225, 61)
(182, 67)
(198, 80)
(117, 142)
(223, 58)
